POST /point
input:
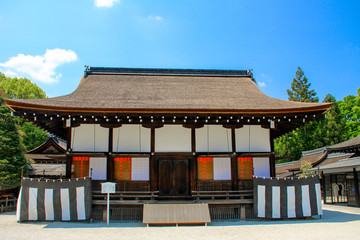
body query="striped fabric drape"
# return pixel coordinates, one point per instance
(287, 198)
(54, 200)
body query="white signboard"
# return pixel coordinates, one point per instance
(108, 187)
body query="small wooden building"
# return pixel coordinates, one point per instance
(48, 160)
(341, 178)
(339, 167)
(175, 131)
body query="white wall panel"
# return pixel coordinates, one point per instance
(173, 138)
(219, 139)
(222, 169)
(261, 167)
(140, 169)
(257, 141)
(98, 166)
(127, 139)
(84, 135)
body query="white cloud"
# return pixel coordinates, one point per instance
(261, 84)
(39, 68)
(105, 3)
(156, 18)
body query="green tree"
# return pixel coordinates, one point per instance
(350, 108)
(12, 158)
(33, 136)
(333, 126)
(305, 166)
(299, 91)
(23, 88)
(304, 138)
(20, 88)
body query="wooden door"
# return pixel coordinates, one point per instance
(174, 177)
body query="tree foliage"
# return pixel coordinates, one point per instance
(23, 88)
(12, 158)
(305, 166)
(350, 108)
(324, 132)
(299, 91)
(20, 88)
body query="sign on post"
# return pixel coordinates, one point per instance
(108, 187)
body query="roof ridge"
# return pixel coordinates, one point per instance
(166, 72)
(314, 151)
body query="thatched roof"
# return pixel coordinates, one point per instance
(168, 90)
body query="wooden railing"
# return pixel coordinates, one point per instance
(238, 202)
(241, 196)
(125, 197)
(7, 204)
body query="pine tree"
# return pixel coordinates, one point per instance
(300, 89)
(304, 138)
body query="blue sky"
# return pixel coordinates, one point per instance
(50, 41)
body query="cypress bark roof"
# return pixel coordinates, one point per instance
(351, 145)
(168, 90)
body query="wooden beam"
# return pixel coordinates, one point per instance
(110, 125)
(193, 162)
(234, 166)
(68, 157)
(153, 163)
(272, 157)
(110, 158)
(356, 185)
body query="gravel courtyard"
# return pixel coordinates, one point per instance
(338, 222)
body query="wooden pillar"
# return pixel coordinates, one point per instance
(68, 157)
(153, 163)
(110, 158)
(323, 185)
(272, 157)
(234, 166)
(356, 185)
(193, 162)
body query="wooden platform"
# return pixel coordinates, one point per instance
(174, 214)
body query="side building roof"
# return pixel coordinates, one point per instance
(352, 145)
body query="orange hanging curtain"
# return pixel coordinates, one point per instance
(205, 168)
(122, 168)
(245, 168)
(81, 166)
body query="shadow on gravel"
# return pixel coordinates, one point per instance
(330, 216)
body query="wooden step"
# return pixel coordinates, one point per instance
(174, 214)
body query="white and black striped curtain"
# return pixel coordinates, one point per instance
(287, 198)
(54, 200)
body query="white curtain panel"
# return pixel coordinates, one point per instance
(140, 169)
(33, 193)
(305, 197)
(65, 204)
(276, 202)
(291, 208)
(98, 166)
(49, 204)
(80, 203)
(222, 168)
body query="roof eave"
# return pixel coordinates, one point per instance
(15, 104)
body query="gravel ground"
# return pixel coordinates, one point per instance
(338, 222)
